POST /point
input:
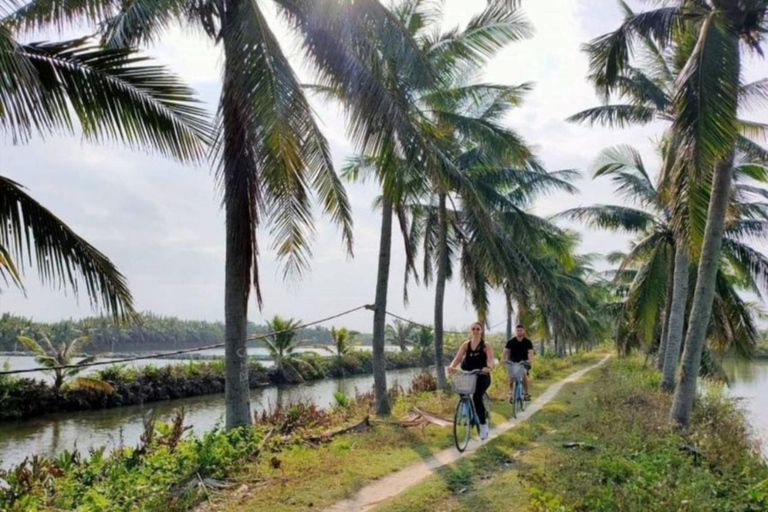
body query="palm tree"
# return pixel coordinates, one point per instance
(271, 154)
(705, 128)
(113, 94)
(400, 333)
(404, 175)
(423, 341)
(343, 342)
(53, 356)
(655, 259)
(282, 344)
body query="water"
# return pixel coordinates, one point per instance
(749, 381)
(50, 435)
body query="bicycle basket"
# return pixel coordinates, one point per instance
(464, 383)
(515, 370)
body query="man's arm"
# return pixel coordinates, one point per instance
(505, 355)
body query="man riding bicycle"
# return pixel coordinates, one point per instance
(519, 349)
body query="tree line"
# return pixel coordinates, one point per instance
(146, 332)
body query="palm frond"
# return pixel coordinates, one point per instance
(609, 54)
(272, 138)
(754, 94)
(91, 383)
(32, 345)
(614, 218)
(485, 34)
(615, 116)
(8, 269)
(61, 256)
(115, 94)
(705, 101)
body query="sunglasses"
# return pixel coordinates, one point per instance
(476, 329)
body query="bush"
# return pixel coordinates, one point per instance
(160, 474)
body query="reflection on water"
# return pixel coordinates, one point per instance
(749, 380)
(52, 434)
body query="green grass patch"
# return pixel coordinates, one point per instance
(631, 459)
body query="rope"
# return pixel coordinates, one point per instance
(418, 324)
(184, 351)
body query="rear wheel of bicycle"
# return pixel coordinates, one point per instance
(520, 397)
(461, 424)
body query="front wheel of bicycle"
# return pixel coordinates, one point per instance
(520, 397)
(487, 404)
(462, 424)
(514, 400)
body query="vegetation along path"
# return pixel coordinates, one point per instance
(372, 495)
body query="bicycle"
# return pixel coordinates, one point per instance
(517, 371)
(466, 416)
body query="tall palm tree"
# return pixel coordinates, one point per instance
(112, 94)
(271, 154)
(54, 355)
(705, 128)
(655, 258)
(400, 333)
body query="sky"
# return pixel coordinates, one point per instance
(162, 225)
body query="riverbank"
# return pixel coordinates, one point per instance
(27, 398)
(287, 446)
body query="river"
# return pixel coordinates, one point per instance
(749, 382)
(51, 434)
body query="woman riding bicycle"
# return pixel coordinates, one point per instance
(476, 354)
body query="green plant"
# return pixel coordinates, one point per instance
(53, 356)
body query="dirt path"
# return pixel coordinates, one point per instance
(392, 485)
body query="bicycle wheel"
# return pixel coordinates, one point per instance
(487, 404)
(461, 424)
(520, 397)
(514, 400)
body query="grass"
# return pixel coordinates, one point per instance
(634, 461)
(304, 478)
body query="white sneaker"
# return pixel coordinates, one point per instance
(484, 432)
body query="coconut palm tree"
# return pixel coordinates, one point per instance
(423, 341)
(654, 260)
(404, 175)
(343, 342)
(705, 128)
(112, 94)
(282, 344)
(400, 333)
(647, 92)
(54, 355)
(271, 155)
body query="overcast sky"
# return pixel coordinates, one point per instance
(162, 225)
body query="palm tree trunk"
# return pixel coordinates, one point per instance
(237, 285)
(380, 310)
(667, 310)
(676, 317)
(509, 318)
(442, 272)
(704, 293)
